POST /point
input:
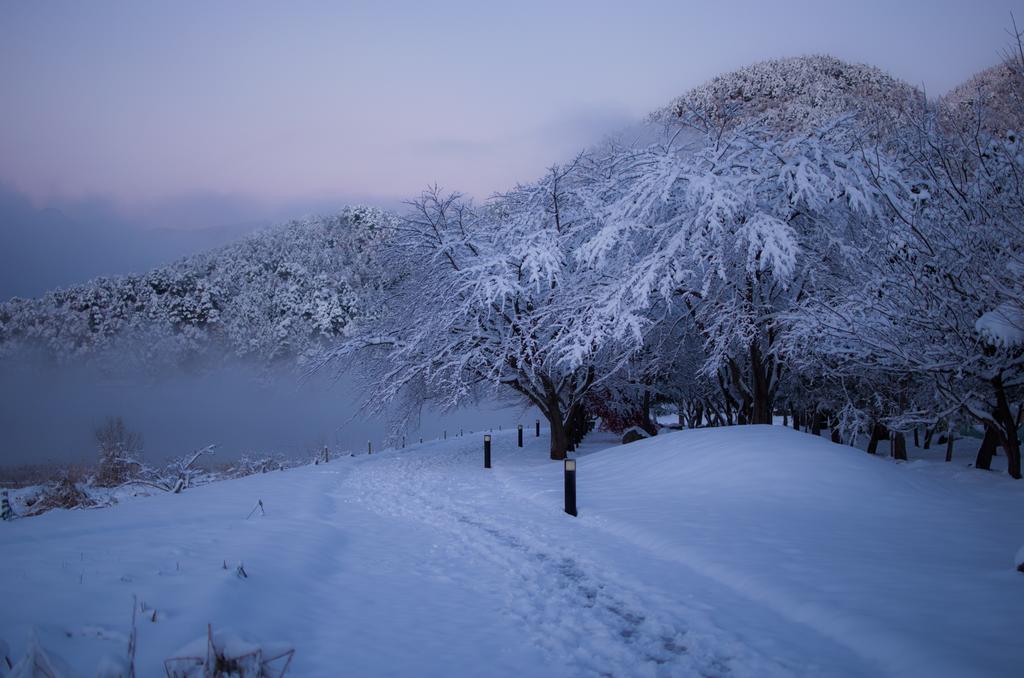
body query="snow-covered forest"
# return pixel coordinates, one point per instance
(280, 294)
(801, 237)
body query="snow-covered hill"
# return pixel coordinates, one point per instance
(276, 294)
(749, 551)
(795, 93)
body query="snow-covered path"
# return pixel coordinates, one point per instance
(419, 562)
(600, 605)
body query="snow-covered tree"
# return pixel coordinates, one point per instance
(940, 296)
(730, 226)
(491, 298)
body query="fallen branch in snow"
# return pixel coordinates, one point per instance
(183, 466)
(259, 505)
(65, 494)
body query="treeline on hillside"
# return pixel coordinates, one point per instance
(279, 294)
(802, 236)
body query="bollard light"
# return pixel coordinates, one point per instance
(570, 487)
(520, 433)
(487, 451)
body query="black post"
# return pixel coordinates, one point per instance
(538, 428)
(520, 435)
(487, 451)
(570, 487)
(369, 447)
(446, 434)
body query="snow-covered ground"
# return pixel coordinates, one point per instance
(750, 551)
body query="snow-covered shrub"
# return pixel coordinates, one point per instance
(228, 654)
(248, 465)
(119, 450)
(64, 494)
(633, 434)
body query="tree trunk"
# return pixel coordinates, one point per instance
(899, 446)
(949, 445)
(796, 420)
(785, 419)
(1007, 429)
(761, 404)
(821, 422)
(559, 439)
(878, 432)
(648, 425)
(987, 448)
(928, 437)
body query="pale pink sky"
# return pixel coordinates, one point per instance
(143, 104)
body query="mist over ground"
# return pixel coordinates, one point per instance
(48, 413)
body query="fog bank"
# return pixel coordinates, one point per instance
(48, 414)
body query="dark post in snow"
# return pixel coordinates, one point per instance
(520, 435)
(446, 434)
(537, 430)
(403, 442)
(487, 451)
(570, 486)
(369, 447)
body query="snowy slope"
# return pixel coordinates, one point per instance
(752, 551)
(910, 565)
